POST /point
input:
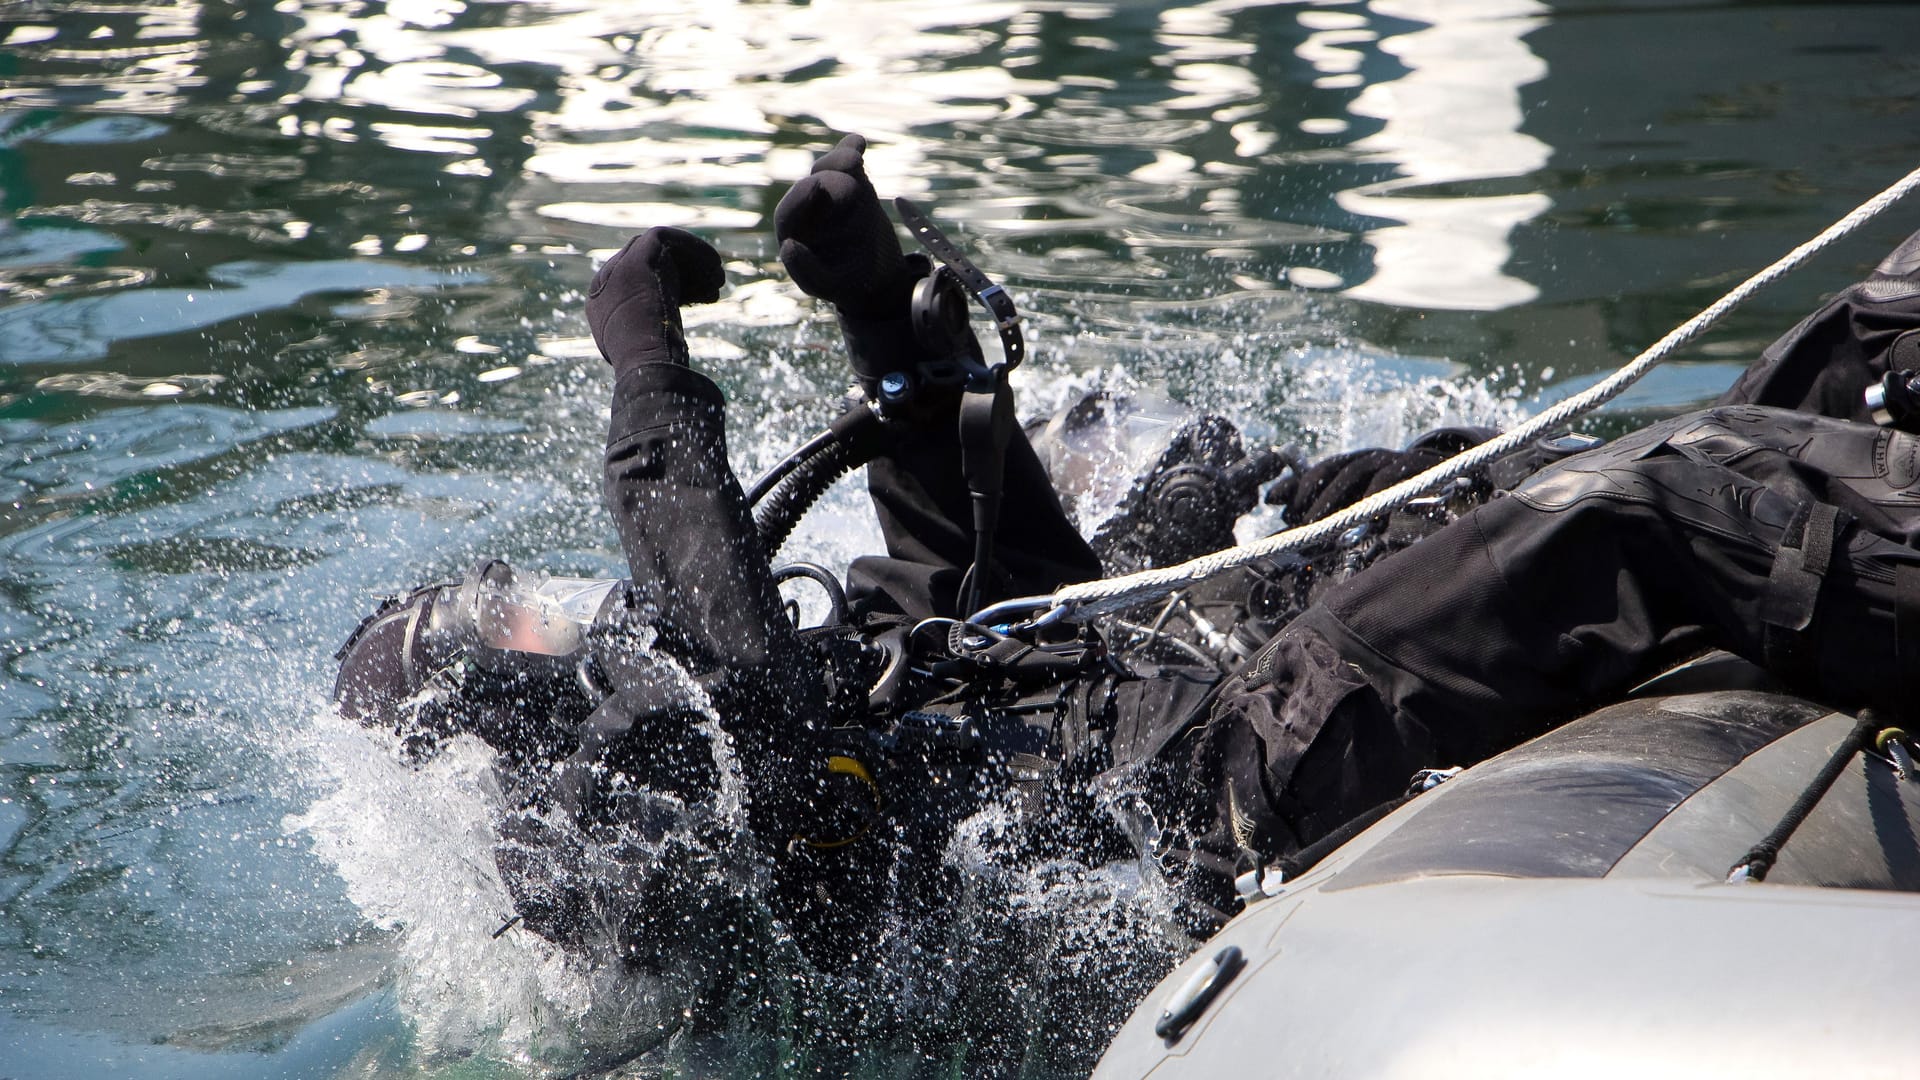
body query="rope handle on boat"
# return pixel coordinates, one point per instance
(1759, 859)
(1091, 599)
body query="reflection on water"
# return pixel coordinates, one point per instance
(289, 317)
(1454, 117)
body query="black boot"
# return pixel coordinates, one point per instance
(702, 587)
(633, 305)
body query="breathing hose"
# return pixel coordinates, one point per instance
(793, 461)
(790, 489)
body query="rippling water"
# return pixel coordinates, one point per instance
(291, 318)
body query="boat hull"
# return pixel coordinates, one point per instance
(1562, 910)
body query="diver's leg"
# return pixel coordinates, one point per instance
(1702, 532)
(598, 860)
(839, 245)
(697, 562)
(1824, 364)
(701, 580)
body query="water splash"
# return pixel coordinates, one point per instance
(1020, 934)
(415, 842)
(414, 846)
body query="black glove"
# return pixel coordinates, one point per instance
(1333, 484)
(633, 305)
(837, 241)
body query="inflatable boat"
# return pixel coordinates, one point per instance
(1585, 905)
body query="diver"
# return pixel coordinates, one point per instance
(1778, 525)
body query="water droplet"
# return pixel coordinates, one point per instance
(1309, 277)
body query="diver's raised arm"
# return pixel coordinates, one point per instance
(695, 556)
(840, 246)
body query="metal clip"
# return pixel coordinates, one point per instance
(1247, 885)
(1260, 883)
(1427, 779)
(1273, 882)
(1894, 743)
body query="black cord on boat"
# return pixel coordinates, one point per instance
(853, 439)
(1253, 877)
(1760, 859)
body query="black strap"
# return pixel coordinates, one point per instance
(1793, 586)
(991, 296)
(1823, 527)
(1801, 562)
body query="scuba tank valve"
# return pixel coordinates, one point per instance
(1894, 399)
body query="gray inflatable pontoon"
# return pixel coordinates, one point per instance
(1563, 910)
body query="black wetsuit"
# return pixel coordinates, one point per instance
(702, 584)
(1778, 526)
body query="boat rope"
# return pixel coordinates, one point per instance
(1088, 600)
(1753, 866)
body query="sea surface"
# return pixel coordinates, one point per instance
(290, 319)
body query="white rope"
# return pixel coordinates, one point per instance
(1093, 598)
